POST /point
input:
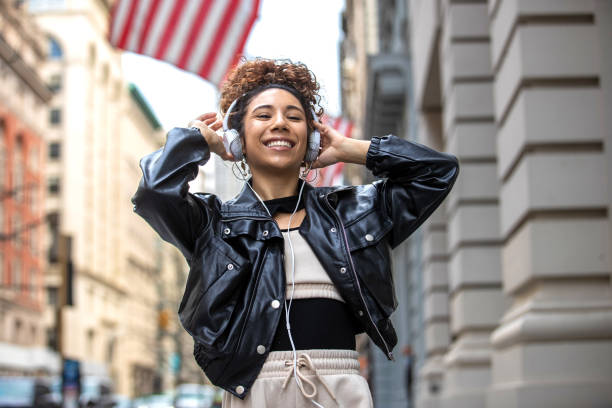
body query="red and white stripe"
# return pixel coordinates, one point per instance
(205, 37)
(332, 175)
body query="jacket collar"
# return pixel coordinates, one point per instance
(246, 203)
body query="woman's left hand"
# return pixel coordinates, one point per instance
(331, 146)
(335, 147)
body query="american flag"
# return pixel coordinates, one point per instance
(205, 37)
(332, 175)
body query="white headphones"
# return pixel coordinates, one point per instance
(233, 144)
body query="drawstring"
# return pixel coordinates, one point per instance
(304, 360)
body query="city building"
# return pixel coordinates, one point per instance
(375, 85)
(151, 352)
(504, 292)
(24, 99)
(116, 283)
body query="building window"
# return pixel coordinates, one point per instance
(33, 334)
(92, 54)
(53, 222)
(16, 229)
(55, 116)
(17, 283)
(55, 150)
(55, 50)
(110, 350)
(32, 288)
(52, 338)
(91, 338)
(33, 239)
(55, 83)
(52, 295)
(17, 331)
(18, 168)
(54, 185)
(105, 73)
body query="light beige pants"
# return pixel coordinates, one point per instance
(329, 378)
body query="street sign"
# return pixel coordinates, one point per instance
(174, 362)
(71, 383)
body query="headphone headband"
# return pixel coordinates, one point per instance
(227, 114)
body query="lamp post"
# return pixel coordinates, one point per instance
(71, 374)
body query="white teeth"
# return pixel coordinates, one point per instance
(278, 143)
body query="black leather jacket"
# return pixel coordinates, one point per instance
(235, 250)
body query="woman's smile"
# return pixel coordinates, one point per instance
(279, 144)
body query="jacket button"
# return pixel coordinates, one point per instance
(275, 304)
(265, 233)
(230, 267)
(369, 237)
(261, 350)
(332, 229)
(226, 231)
(343, 270)
(240, 389)
(360, 313)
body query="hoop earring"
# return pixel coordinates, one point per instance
(244, 172)
(304, 175)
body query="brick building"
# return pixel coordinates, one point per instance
(24, 99)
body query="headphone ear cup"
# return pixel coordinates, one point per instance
(314, 142)
(232, 143)
(231, 137)
(312, 151)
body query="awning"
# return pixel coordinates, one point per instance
(28, 359)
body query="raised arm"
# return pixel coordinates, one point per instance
(416, 181)
(162, 198)
(416, 178)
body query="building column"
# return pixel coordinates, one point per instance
(475, 294)
(553, 347)
(434, 284)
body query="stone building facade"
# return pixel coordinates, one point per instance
(509, 300)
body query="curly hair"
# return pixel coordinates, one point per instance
(251, 77)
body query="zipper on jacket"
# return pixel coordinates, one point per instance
(348, 251)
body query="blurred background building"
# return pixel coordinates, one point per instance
(505, 292)
(24, 102)
(82, 277)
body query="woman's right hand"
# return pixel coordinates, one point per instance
(208, 124)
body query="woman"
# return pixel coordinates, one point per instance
(284, 275)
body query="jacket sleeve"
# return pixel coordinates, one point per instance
(162, 198)
(416, 181)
